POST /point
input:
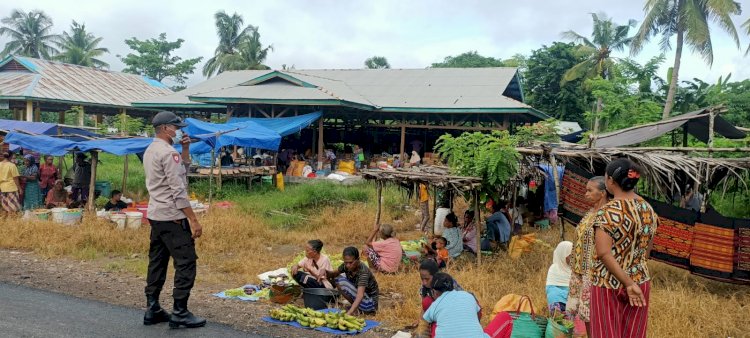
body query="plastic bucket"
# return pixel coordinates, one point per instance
(72, 216)
(133, 219)
(57, 214)
(42, 214)
(119, 219)
(319, 298)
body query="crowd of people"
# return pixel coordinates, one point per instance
(601, 280)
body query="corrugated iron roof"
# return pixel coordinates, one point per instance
(56, 81)
(387, 89)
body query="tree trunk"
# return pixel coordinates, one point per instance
(675, 75)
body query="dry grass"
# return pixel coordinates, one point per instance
(240, 243)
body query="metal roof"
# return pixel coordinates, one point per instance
(454, 89)
(25, 78)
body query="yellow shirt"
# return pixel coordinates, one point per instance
(423, 195)
(8, 171)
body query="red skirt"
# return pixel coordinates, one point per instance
(613, 317)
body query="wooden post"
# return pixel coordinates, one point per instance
(30, 111)
(513, 204)
(211, 176)
(402, 147)
(477, 223)
(123, 122)
(320, 143)
(61, 117)
(685, 135)
(219, 181)
(434, 209)
(711, 118)
(81, 114)
(98, 120)
(92, 184)
(37, 113)
(556, 175)
(124, 175)
(380, 202)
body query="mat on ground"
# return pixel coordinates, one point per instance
(369, 324)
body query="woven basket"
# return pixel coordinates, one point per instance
(284, 294)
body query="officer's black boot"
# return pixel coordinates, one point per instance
(154, 313)
(182, 317)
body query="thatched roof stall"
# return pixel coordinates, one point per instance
(434, 176)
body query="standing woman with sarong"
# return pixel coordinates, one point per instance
(32, 195)
(583, 255)
(623, 233)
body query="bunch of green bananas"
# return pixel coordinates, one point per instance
(344, 322)
(310, 318)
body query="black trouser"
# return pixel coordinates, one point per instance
(306, 280)
(171, 238)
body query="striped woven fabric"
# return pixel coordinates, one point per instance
(573, 193)
(713, 247)
(742, 269)
(673, 241)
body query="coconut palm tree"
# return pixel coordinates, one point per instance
(30, 34)
(689, 21)
(239, 48)
(746, 25)
(80, 47)
(606, 37)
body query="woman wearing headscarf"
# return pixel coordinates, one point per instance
(57, 197)
(581, 261)
(558, 277)
(623, 233)
(32, 196)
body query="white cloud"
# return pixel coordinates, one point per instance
(342, 34)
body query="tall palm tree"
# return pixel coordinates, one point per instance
(30, 34)
(606, 37)
(746, 25)
(80, 47)
(239, 48)
(689, 21)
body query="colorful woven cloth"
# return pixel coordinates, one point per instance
(742, 269)
(674, 237)
(713, 247)
(572, 193)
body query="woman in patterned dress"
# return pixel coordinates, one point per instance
(32, 195)
(623, 233)
(583, 254)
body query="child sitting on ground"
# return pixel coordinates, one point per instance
(436, 251)
(558, 278)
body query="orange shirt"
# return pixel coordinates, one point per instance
(442, 254)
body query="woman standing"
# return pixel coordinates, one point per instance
(623, 232)
(583, 254)
(48, 174)
(10, 184)
(32, 196)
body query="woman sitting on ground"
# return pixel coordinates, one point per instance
(469, 232)
(356, 283)
(427, 270)
(498, 229)
(453, 235)
(314, 267)
(455, 313)
(58, 197)
(384, 256)
(558, 278)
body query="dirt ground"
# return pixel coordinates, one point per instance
(94, 280)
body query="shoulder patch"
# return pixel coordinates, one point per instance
(176, 157)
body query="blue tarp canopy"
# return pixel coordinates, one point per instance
(44, 128)
(243, 134)
(59, 147)
(282, 125)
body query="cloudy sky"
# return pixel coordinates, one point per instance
(342, 34)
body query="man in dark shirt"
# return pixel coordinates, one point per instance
(81, 178)
(115, 204)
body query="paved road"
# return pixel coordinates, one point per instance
(28, 312)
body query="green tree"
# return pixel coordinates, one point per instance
(689, 21)
(606, 37)
(377, 62)
(30, 34)
(153, 58)
(468, 60)
(239, 48)
(622, 105)
(645, 75)
(80, 47)
(519, 61)
(746, 25)
(542, 80)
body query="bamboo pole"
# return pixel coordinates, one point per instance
(434, 208)
(711, 118)
(92, 183)
(211, 176)
(380, 202)
(477, 223)
(124, 175)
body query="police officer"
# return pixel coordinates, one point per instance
(174, 226)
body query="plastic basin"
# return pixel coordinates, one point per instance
(319, 298)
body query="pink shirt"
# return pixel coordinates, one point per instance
(390, 253)
(323, 263)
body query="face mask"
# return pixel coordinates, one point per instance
(177, 138)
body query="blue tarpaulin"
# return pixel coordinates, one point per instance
(44, 128)
(119, 147)
(59, 147)
(40, 143)
(249, 134)
(282, 125)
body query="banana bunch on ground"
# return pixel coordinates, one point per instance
(310, 318)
